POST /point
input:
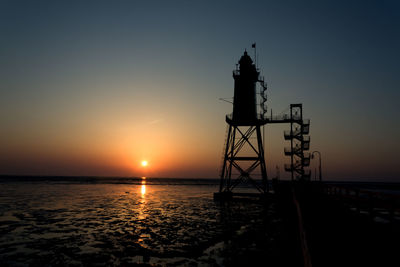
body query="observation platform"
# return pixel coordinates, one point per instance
(267, 120)
(258, 121)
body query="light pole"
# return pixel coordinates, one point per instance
(312, 156)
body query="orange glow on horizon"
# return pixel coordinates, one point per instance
(124, 149)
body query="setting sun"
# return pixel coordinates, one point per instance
(144, 163)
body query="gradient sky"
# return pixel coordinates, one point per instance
(94, 87)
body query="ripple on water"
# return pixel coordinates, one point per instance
(102, 223)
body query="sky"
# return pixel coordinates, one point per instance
(96, 87)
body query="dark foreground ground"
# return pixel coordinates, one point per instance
(337, 235)
(269, 240)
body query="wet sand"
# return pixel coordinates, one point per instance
(44, 224)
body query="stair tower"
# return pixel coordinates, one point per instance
(299, 143)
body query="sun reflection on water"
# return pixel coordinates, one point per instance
(143, 190)
(143, 187)
(142, 211)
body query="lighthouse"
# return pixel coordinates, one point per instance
(243, 157)
(244, 101)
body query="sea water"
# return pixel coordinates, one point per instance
(120, 221)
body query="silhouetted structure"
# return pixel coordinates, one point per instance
(243, 153)
(299, 142)
(243, 149)
(320, 170)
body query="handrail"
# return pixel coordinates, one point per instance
(372, 202)
(259, 116)
(375, 193)
(284, 117)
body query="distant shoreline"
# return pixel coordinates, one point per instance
(172, 181)
(342, 180)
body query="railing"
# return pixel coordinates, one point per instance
(288, 167)
(283, 117)
(306, 129)
(288, 134)
(288, 151)
(296, 150)
(306, 145)
(302, 234)
(375, 204)
(259, 116)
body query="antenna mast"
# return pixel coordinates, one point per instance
(255, 54)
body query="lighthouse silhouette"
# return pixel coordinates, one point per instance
(243, 159)
(244, 101)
